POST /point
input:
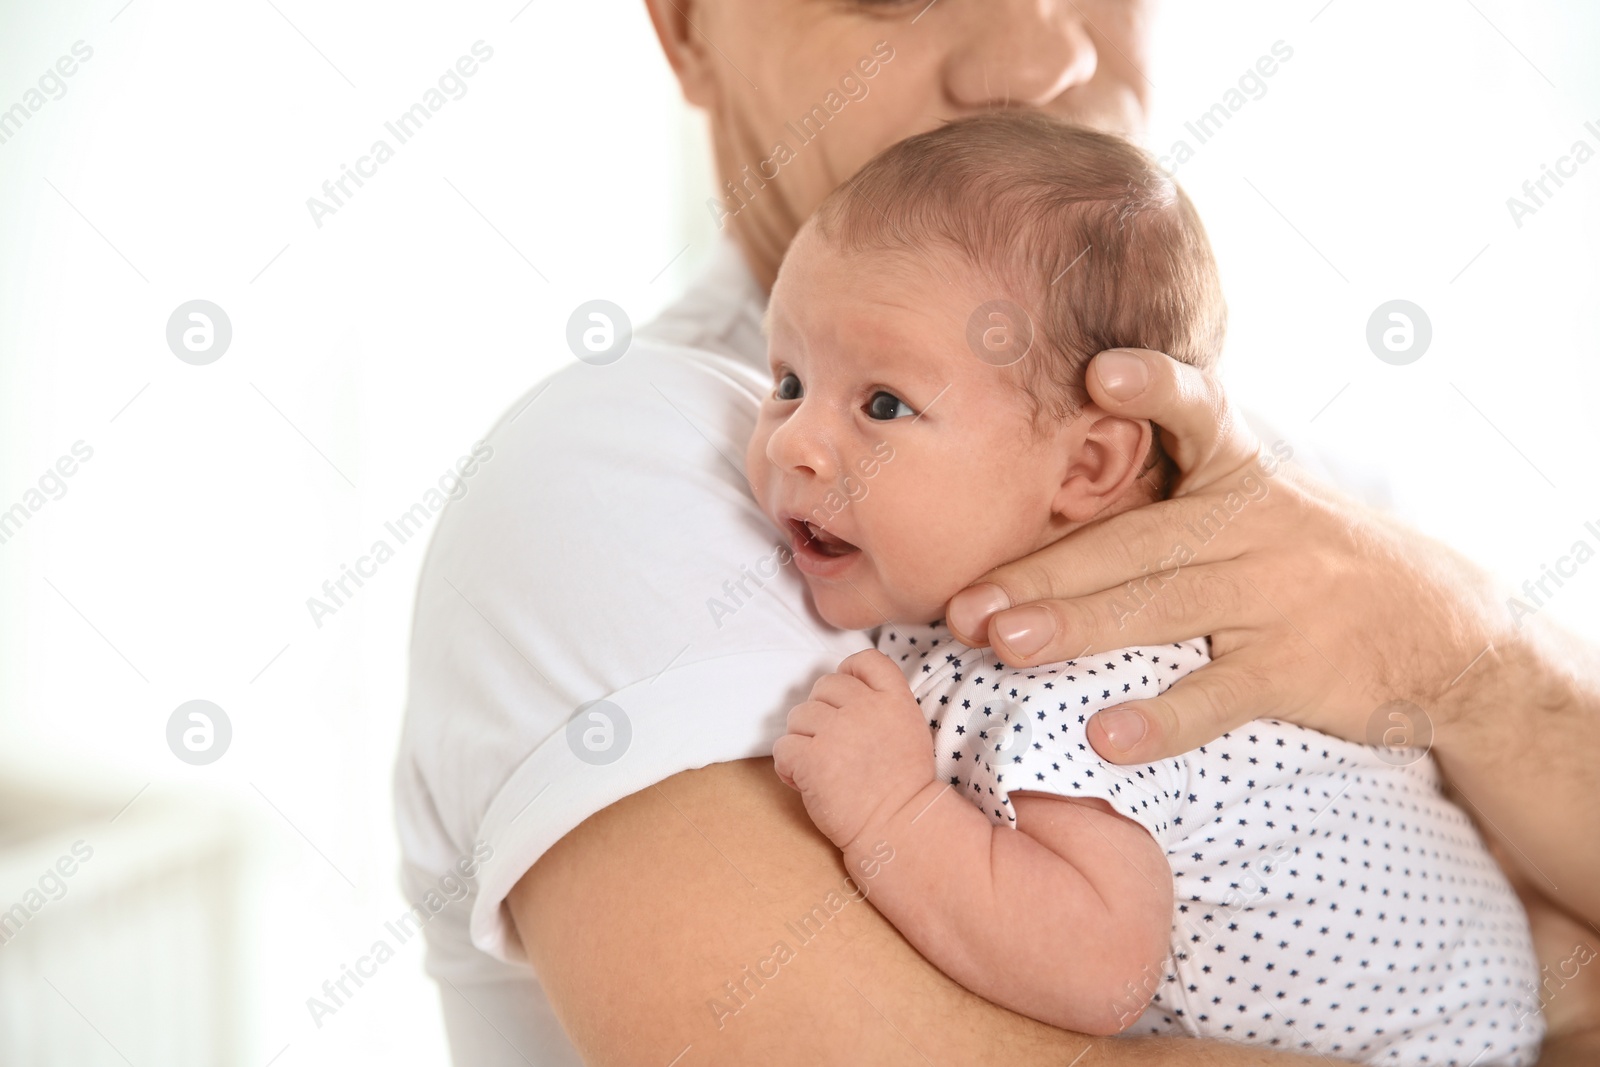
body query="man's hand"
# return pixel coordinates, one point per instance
(1320, 610)
(858, 750)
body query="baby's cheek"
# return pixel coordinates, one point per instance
(756, 467)
(906, 590)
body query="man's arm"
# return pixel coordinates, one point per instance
(675, 900)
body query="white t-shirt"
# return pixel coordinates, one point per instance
(1327, 897)
(609, 550)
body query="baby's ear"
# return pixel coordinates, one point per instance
(1108, 455)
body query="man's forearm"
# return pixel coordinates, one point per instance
(640, 920)
(1526, 709)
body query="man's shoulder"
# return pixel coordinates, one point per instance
(594, 444)
(608, 549)
(656, 382)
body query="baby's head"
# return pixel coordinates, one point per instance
(928, 334)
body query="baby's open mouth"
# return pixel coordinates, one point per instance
(819, 540)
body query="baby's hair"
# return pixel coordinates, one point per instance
(1080, 228)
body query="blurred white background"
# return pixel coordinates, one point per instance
(368, 354)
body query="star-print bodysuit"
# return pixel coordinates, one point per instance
(1327, 896)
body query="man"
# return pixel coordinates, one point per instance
(607, 637)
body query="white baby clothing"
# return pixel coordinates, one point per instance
(1326, 898)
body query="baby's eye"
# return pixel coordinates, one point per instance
(886, 406)
(788, 388)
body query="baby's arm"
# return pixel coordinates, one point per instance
(1065, 918)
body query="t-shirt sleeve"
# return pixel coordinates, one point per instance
(604, 607)
(1000, 729)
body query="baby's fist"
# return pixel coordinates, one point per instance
(858, 749)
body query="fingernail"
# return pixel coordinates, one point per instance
(1122, 374)
(970, 609)
(1027, 629)
(1124, 729)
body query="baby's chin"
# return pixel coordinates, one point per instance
(849, 609)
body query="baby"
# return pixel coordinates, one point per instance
(928, 422)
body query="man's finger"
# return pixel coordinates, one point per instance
(1085, 561)
(875, 669)
(1158, 609)
(1098, 557)
(1199, 708)
(1132, 546)
(1199, 429)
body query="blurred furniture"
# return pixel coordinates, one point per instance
(133, 956)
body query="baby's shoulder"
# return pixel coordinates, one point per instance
(925, 653)
(935, 662)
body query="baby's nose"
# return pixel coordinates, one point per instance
(802, 446)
